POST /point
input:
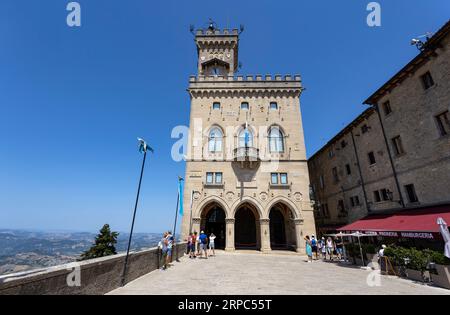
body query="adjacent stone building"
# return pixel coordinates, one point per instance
(246, 170)
(396, 154)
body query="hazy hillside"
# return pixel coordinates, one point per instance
(23, 250)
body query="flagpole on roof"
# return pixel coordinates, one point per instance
(143, 147)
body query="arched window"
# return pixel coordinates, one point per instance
(245, 138)
(215, 140)
(276, 140)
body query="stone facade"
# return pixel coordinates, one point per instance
(244, 132)
(411, 148)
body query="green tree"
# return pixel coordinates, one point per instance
(104, 244)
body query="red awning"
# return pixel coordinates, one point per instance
(415, 223)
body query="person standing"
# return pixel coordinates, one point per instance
(189, 245)
(198, 246)
(194, 244)
(203, 244)
(163, 246)
(212, 237)
(308, 248)
(322, 248)
(170, 240)
(314, 246)
(339, 247)
(330, 247)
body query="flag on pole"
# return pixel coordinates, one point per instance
(143, 146)
(246, 134)
(180, 195)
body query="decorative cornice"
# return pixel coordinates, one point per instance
(264, 221)
(229, 220)
(298, 221)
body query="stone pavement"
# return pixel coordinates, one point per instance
(244, 272)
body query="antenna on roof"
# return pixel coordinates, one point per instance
(192, 29)
(419, 43)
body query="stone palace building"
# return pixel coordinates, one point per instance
(246, 169)
(395, 156)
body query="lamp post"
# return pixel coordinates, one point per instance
(143, 147)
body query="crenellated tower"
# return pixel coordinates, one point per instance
(246, 169)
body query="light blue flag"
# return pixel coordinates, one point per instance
(180, 196)
(246, 137)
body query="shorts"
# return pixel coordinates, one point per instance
(314, 249)
(169, 251)
(204, 246)
(329, 250)
(164, 251)
(211, 246)
(339, 250)
(192, 247)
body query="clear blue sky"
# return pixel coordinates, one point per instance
(73, 101)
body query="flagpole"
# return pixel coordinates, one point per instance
(176, 218)
(132, 223)
(190, 216)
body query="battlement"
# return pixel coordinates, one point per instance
(217, 32)
(246, 78)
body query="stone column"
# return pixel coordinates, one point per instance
(229, 237)
(299, 238)
(265, 235)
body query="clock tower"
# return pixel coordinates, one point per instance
(217, 50)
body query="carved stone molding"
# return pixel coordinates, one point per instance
(229, 220)
(196, 220)
(264, 221)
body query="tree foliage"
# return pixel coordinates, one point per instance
(104, 245)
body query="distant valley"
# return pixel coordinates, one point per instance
(22, 250)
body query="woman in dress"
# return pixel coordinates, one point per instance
(308, 248)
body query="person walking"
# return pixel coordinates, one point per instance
(330, 248)
(212, 237)
(308, 248)
(203, 244)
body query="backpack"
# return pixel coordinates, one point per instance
(204, 240)
(313, 242)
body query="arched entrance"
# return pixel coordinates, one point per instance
(246, 228)
(213, 221)
(282, 228)
(277, 229)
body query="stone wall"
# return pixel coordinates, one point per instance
(98, 276)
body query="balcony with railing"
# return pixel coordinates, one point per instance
(246, 154)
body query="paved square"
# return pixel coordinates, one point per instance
(257, 273)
